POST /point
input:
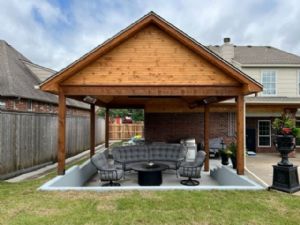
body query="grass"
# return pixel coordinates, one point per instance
(20, 203)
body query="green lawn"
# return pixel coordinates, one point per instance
(20, 203)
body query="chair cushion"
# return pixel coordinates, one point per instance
(110, 175)
(192, 172)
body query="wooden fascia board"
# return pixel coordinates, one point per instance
(152, 90)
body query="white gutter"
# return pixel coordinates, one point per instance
(271, 65)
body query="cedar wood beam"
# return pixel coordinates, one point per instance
(152, 90)
(61, 151)
(92, 130)
(206, 137)
(240, 125)
(106, 127)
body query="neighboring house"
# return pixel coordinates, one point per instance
(18, 76)
(28, 117)
(279, 72)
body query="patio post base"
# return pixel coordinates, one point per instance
(285, 178)
(190, 182)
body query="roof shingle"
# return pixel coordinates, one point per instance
(17, 80)
(260, 55)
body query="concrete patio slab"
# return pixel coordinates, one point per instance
(261, 165)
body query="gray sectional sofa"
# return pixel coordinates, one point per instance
(169, 154)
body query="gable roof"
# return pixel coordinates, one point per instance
(51, 84)
(260, 55)
(17, 80)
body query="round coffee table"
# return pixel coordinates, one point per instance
(149, 175)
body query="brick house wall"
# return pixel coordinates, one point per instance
(27, 105)
(171, 127)
(252, 122)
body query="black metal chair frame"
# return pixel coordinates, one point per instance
(110, 183)
(190, 181)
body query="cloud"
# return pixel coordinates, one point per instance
(55, 33)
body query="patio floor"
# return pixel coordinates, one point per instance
(169, 178)
(261, 165)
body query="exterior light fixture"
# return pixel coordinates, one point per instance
(90, 100)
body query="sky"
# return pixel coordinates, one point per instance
(54, 33)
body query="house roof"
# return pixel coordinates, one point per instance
(18, 80)
(260, 55)
(51, 84)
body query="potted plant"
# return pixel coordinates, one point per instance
(230, 151)
(224, 156)
(285, 134)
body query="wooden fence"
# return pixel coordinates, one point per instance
(125, 131)
(30, 139)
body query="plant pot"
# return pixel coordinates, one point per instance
(285, 144)
(233, 161)
(224, 159)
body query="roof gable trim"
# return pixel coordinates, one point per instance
(51, 84)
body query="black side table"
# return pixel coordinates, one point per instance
(149, 175)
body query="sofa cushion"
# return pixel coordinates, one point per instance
(165, 152)
(131, 153)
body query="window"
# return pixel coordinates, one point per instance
(268, 79)
(298, 139)
(2, 104)
(29, 105)
(264, 133)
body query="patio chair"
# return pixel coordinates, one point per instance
(192, 169)
(107, 172)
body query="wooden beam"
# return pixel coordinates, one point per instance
(92, 130)
(61, 152)
(107, 128)
(126, 106)
(240, 129)
(152, 90)
(206, 137)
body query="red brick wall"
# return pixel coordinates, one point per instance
(25, 105)
(171, 127)
(252, 122)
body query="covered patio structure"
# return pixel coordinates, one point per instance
(152, 65)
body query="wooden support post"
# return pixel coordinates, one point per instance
(206, 137)
(106, 127)
(61, 151)
(92, 130)
(240, 130)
